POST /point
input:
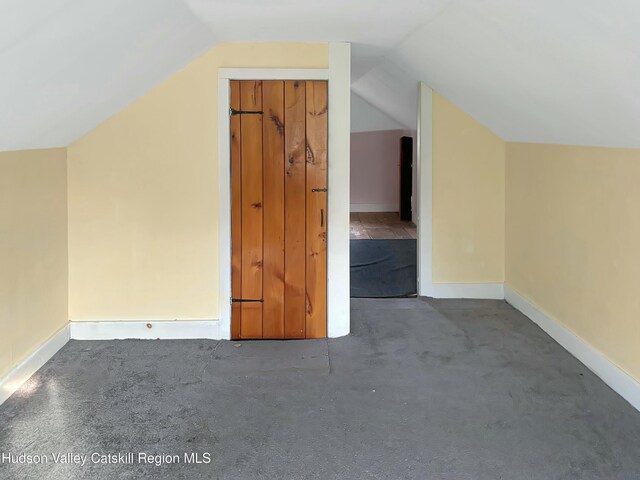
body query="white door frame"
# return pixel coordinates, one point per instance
(426, 286)
(424, 218)
(338, 298)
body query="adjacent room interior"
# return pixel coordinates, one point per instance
(383, 235)
(289, 239)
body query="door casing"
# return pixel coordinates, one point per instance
(338, 76)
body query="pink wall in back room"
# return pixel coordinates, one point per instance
(375, 169)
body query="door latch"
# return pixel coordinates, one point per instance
(318, 189)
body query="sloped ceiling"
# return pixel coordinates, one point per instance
(547, 71)
(68, 65)
(367, 118)
(553, 71)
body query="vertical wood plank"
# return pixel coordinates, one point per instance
(236, 213)
(316, 208)
(273, 170)
(295, 209)
(252, 208)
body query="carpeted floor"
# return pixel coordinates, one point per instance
(421, 390)
(383, 268)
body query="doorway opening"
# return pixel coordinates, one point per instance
(383, 235)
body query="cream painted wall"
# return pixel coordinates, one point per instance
(33, 251)
(143, 195)
(468, 168)
(573, 231)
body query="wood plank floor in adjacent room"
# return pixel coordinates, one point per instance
(380, 226)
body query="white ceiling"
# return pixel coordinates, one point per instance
(68, 65)
(555, 71)
(548, 71)
(367, 118)
(373, 26)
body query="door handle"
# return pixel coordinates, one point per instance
(322, 217)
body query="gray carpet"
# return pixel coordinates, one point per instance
(383, 268)
(421, 390)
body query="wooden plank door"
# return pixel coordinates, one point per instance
(317, 106)
(295, 200)
(279, 209)
(273, 181)
(251, 210)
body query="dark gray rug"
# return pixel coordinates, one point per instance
(437, 389)
(383, 268)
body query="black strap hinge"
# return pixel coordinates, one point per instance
(318, 189)
(246, 300)
(233, 111)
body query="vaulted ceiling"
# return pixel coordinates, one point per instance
(553, 71)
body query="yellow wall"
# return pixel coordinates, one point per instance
(143, 195)
(573, 236)
(468, 198)
(33, 251)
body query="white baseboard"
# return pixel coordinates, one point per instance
(488, 291)
(149, 330)
(373, 207)
(30, 365)
(619, 380)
